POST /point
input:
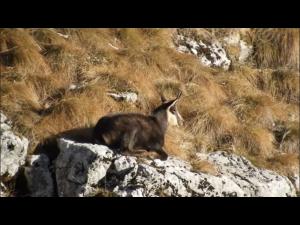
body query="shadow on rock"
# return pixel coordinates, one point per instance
(50, 148)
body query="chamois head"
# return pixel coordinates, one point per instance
(167, 112)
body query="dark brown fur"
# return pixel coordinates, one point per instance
(131, 131)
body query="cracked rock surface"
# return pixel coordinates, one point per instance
(13, 149)
(83, 168)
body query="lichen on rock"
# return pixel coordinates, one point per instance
(82, 168)
(13, 149)
(210, 54)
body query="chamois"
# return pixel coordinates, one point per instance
(134, 131)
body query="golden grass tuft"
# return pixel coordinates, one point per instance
(285, 164)
(258, 109)
(214, 128)
(179, 142)
(24, 52)
(288, 138)
(276, 47)
(256, 140)
(203, 166)
(284, 85)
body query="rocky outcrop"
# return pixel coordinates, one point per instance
(172, 178)
(13, 149)
(210, 54)
(252, 180)
(213, 51)
(244, 50)
(38, 176)
(81, 169)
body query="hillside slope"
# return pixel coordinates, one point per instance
(240, 87)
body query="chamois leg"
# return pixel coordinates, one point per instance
(132, 140)
(128, 141)
(162, 153)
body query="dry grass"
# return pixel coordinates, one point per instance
(214, 128)
(25, 51)
(276, 47)
(203, 166)
(284, 85)
(102, 192)
(286, 164)
(255, 140)
(237, 110)
(288, 137)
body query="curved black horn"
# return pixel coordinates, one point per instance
(162, 97)
(179, 95)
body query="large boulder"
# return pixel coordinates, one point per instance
(13, 149)
(81, 169)
(211, 54)
(172, 178)
(244, 50)
(253, 181)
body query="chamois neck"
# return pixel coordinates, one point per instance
(161, 117)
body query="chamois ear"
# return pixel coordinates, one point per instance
(179, 95)
(162, 98)
(176, 99)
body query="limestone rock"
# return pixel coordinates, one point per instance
(82, 168)
(210, 54)
(124, 96)
(253, 181)
(79, 167)
(13, 150)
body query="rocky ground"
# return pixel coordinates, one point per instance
(83, 169)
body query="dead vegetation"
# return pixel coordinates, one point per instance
(276, 48)
(237, 110)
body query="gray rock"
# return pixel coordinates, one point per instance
(295, 181)
(245, 49)
(79, 167)
(210, 54)
(124, 96)
(124, 163)
(13, 150)
(38, 176)
(252, 180)
(82, 168)
(174, 178)
(5, 124)
(3, 190)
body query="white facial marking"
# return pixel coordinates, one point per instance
(172, 119)
(180, 117)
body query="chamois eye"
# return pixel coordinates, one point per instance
(172, 110)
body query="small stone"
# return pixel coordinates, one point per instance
(124, 96)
